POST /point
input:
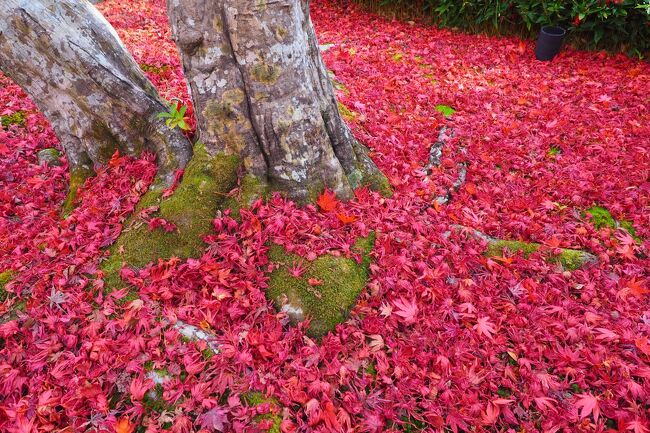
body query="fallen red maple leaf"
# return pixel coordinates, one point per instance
(346, 219)
(327, 201)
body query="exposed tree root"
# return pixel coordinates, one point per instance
(569, 259)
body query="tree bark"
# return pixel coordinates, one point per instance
(72, 64)
(261, 91)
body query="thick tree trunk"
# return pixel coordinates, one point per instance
(261, 91)
(72, 64)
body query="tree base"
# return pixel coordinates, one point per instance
(190, 209)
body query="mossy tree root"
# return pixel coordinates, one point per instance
(569, 259)
(190, 209)
(326, 290)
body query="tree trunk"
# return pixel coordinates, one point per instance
(72, 64)
(261, 91)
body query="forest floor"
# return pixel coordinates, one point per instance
(443, 338)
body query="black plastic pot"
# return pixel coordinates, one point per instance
(549, 42)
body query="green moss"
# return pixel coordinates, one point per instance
(601, 217)
(337, 84)
(78, 177)
(377, 181)
(371, 369)
(446, 110)
(191, 208)
(504, 391)
(5, 277)
(569, 259)
(251, 189)
(496, 247)
(255, 398)
(15, 118)
(627, 225)
(153, 68)
(554, 151)
(347, 114)
(329, 303)
(153, 399)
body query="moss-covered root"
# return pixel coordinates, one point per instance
(191, 209)
(254, 399)
(326, 290)
(569, 259)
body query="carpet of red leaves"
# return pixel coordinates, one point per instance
(442, 337)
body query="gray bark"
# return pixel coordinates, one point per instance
(72, 64)
(261, 90)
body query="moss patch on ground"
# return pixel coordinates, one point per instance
(5, 277)
(50, 156)
(16, 118)
(601, 217)
(569, 259)
(191, 208)
(336, 283)
(254, 399)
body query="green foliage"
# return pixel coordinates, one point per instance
(175, 117)
(554, 151)
(596, 24)
(601, 217)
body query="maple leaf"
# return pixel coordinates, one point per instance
(406, 309)
(139, 387)
(588, 404)
(643, 345)
(638, 426)
(124, 426)
(327, 201)
(545, 403)
(484, 327)
(215, 419)
(346, 219)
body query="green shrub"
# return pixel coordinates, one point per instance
(595, 24)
